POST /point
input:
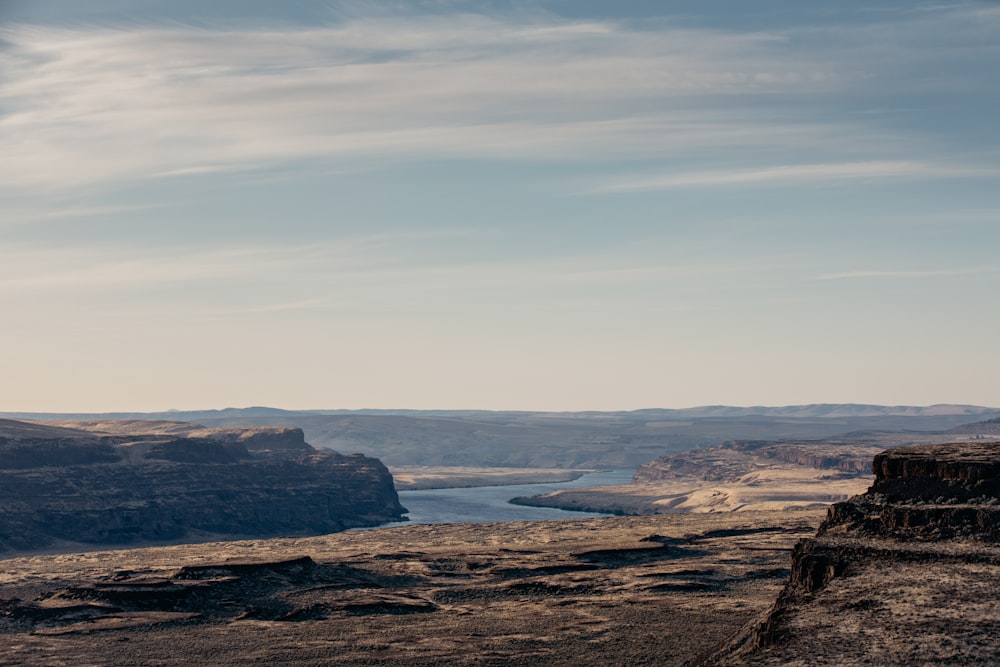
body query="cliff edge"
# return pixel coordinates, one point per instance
(904, 574)
(126, 483)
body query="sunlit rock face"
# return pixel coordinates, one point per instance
(911, 561)
(126, 488)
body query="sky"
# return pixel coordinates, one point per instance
(537, 204)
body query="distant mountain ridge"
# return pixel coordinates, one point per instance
(828, 410)
(813, 410)
(572, 440)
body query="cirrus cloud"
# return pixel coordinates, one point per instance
(87, 106)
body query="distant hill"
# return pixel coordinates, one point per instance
(816, 410)
(19, 430)
(986, 427)
(826, 410)
(522, 439)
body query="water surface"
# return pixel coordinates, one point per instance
(489, 503)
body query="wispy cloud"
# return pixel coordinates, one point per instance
(364, 271)
(48, 211)
(272, 307)
(803, 173)
(99, 269)
(100, 105)
(123, 268)
(914, 274)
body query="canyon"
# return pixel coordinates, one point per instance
(902, 572)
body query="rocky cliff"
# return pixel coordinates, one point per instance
(926, 493)
(106, 487)
(898, 575)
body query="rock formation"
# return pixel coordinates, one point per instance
(896, 575)
(928, 492)
(107, 487)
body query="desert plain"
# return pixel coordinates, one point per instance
(657, 590)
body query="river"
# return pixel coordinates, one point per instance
(489, 503)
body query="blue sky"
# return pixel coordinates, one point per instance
(510, 205)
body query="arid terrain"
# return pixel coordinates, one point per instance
(661, 590)
(746, 475)
(901, 574)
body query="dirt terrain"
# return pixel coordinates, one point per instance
(661, 590)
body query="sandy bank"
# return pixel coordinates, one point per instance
(776, 488)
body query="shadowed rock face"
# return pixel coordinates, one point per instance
(41, 452)
(122, 489)
(188, 450)
(961, 468)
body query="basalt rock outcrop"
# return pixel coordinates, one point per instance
(926, 493)
(897, 575)
(108, 488)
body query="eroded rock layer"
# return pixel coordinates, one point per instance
(103, 487)
(903, 574)
(926, 492)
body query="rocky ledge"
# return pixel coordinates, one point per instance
(926, 493)
(108, 485)
(904, 574)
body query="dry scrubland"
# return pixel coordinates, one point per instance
(660, 590)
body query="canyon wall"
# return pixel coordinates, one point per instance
(107, 488)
